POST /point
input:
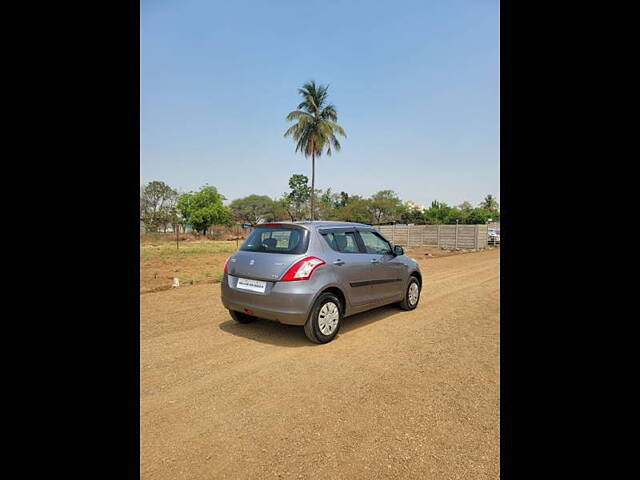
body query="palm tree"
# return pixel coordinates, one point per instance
(315, 128)
(489, 203)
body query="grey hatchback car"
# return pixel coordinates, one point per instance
(315, 274)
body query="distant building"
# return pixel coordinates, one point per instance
(183, 228)
(413, 206)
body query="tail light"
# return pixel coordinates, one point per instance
(226, 264)
(302, 269)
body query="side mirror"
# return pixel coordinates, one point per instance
(398, 250)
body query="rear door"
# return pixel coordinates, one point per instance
(387, 272)
(350, 263)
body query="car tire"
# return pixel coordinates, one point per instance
(241, 317)
(325, 318)
(407, 303)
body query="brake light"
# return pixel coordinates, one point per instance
(302, 269)
(226, 263)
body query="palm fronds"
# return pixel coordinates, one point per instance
(316, 128)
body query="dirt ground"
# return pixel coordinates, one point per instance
(411, 395)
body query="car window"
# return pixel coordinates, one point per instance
(276, 240)
(375, 244)
(344, 242)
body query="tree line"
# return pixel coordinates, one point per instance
(162, 206)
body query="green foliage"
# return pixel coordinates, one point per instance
(385, 206)
(355, 209)
(283, 209)
(295, 203)
(410, 215)
(327, 204)
(489, 203)
(329, 200)
(315, 129)
(482, 215)
(204, 208)
(344, 199)
(463, 212)
(252, 209)
(161, 206)
(158, 206)
(300, 190)
(439, 213)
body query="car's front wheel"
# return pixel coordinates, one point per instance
(411, 295)
(324, 320)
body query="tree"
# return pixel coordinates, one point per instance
(281, 209)
(356, 209)
(465, 209)
(410, 212)
(252, 209)
(489, 203)
(170, 217)
(298, 197)
(329, 200)
(204, 208)
(439, 213)
(157, 205)
(385, 206)
(465, 206)
(328, 203)
(482, 215)
(344, 199)
(315, 129)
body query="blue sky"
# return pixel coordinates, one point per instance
(415, 83)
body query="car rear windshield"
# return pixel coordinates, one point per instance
(277, 240)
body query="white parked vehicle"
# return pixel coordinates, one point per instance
(494, 236)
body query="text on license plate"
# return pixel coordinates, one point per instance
(253, 285)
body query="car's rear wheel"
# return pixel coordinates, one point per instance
(324, 320)
(241, 317)
(412, 295)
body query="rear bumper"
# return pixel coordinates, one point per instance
(286, 302)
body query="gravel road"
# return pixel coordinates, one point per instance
(411, 395)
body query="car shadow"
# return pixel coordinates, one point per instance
(274, 333)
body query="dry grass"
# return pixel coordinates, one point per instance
(167, 249)
(195, 261)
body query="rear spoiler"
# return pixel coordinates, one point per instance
(279, 225)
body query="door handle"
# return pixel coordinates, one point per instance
(339, 262)
(374, 260)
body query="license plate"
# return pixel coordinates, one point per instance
(253, 285)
